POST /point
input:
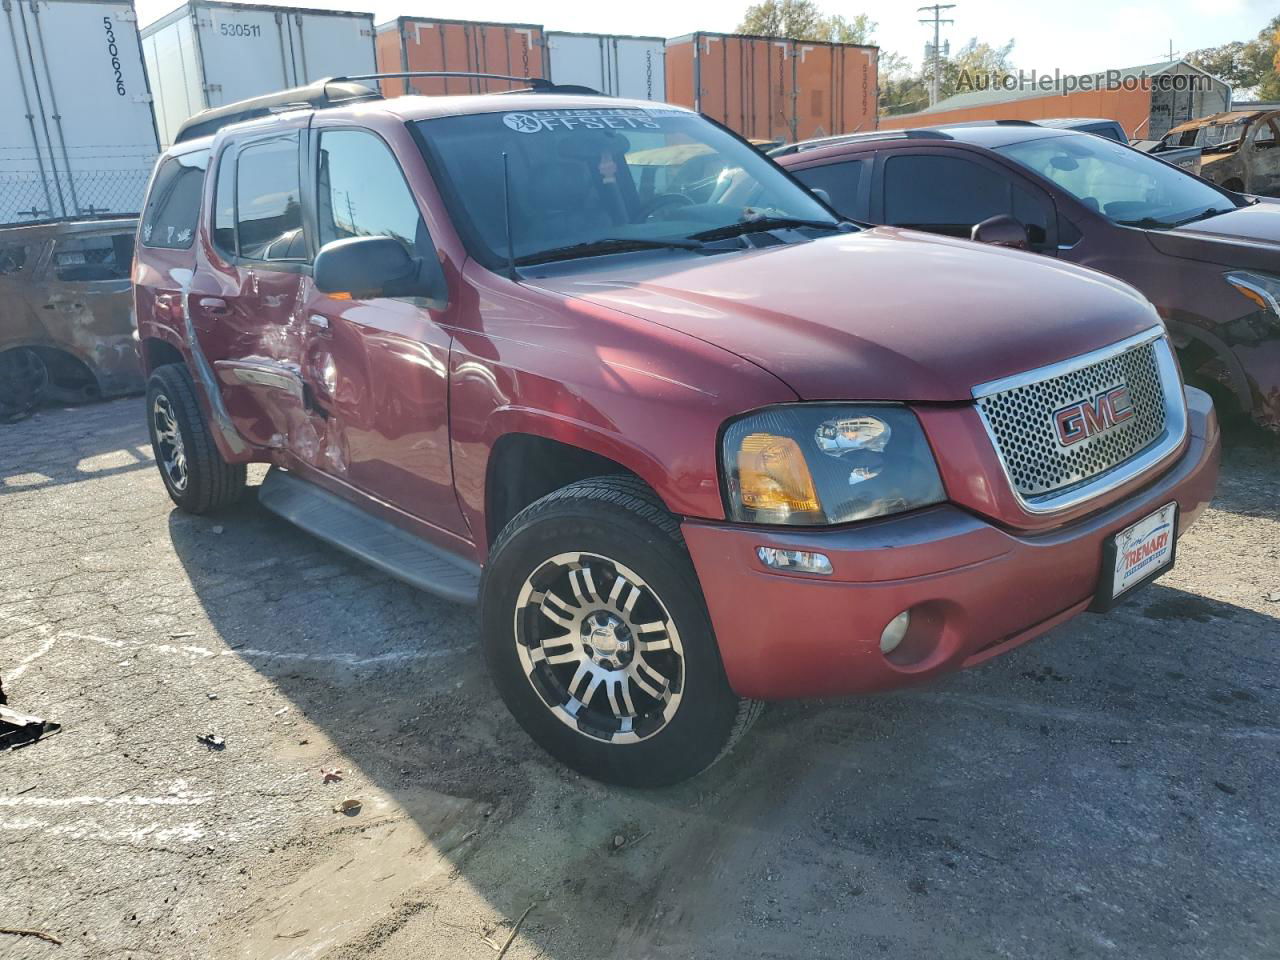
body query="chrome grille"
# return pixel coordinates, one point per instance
(1020, 420)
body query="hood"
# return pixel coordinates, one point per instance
(1247, 237)
(884, 314)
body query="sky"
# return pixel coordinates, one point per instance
(1078, 36)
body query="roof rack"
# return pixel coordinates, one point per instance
(339, 91)
(332, 92)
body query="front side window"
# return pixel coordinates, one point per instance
(173, 207)
(224, 203)
(1124, 185)
(843, 182)
(949, 195)
(599, 175)
(362, 192)
(268, 201)
(84, 259)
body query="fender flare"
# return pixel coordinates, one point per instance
(1235, 369)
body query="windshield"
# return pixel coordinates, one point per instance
(626, 176)
(1122, 184)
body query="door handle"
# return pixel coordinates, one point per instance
(214, 306)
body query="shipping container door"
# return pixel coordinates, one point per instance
(173, 70)
(90, 88)
(329, 46)
(638, 69)
(246, 53)
(27, 185)
(578, 60)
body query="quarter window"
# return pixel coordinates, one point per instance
(268, 201)
(104, 257)
(362, 192)
(173, 207)
(949, 195)
(224, 203)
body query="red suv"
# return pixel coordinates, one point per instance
(691, 441)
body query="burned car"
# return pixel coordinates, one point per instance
(1240, 150)
(66, 328)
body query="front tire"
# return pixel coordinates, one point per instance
(196, 477)
(598, 639)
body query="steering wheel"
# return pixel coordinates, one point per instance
(664, 200)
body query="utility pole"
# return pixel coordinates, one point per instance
(934, 52)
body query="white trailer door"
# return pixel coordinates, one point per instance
(330, 46)
(578, 59)
(173, 67)
(246, 53)
(84, 78)
(639, 69)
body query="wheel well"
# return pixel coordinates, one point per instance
(70, 378)
(1235, 184)
(157, 353)
(524, 468)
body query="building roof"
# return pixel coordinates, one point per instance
(982, 98)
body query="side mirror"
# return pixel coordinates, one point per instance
(821, 195)
(1000, 231)
(362, 268)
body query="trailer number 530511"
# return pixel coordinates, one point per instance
(240, 29)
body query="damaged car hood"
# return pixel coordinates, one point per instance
(882, 314)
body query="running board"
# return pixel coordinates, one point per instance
(369, 538)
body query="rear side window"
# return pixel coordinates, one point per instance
(268, 201)
(845, 183)
(86, 259)
(173, 207)
(362, 192)
(948, 195)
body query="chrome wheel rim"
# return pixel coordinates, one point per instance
(170, 452)
(599, 647)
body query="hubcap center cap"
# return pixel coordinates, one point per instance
(607, 640)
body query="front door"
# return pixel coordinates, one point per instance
(1262, 158)
(243, 304)
(378, 370)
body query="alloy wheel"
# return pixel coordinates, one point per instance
(168, 438)
(599, 647)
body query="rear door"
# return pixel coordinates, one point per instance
(243, 304)
(377, 370)
(1262, 158)
(949, 191)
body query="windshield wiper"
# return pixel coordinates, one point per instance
(761, 224)
(595, 248)
(1204, 215)
(1147, 223)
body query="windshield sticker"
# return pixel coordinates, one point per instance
(612, 118)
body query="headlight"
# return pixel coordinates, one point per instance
(809, 464)
(1262, 289)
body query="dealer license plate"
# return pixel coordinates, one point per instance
(1140, 553)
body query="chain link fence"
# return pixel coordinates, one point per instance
(30, 196)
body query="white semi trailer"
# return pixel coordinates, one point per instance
(77, 135)
(208, 54)
(631, 67)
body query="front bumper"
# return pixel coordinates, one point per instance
(974, 589)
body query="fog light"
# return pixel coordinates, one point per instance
(894, 632)
(796, 561)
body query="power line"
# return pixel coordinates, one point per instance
(935, 52)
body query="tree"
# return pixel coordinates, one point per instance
(1250, 66)
(904, 89)
(804, 20)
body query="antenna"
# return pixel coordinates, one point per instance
(506, 203)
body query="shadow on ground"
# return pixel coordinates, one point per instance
(1110, 787)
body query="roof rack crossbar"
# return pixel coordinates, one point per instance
(537, 83)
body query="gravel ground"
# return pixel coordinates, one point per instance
(1108, 790)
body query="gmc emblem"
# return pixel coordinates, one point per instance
(1088, 418)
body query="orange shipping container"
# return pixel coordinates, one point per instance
(773, 88)
(419, 43)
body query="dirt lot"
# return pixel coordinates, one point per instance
(1109, 790)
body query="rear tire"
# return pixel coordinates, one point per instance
(598, 639)
(196, 477)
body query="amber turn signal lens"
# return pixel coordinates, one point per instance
(773, 475)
